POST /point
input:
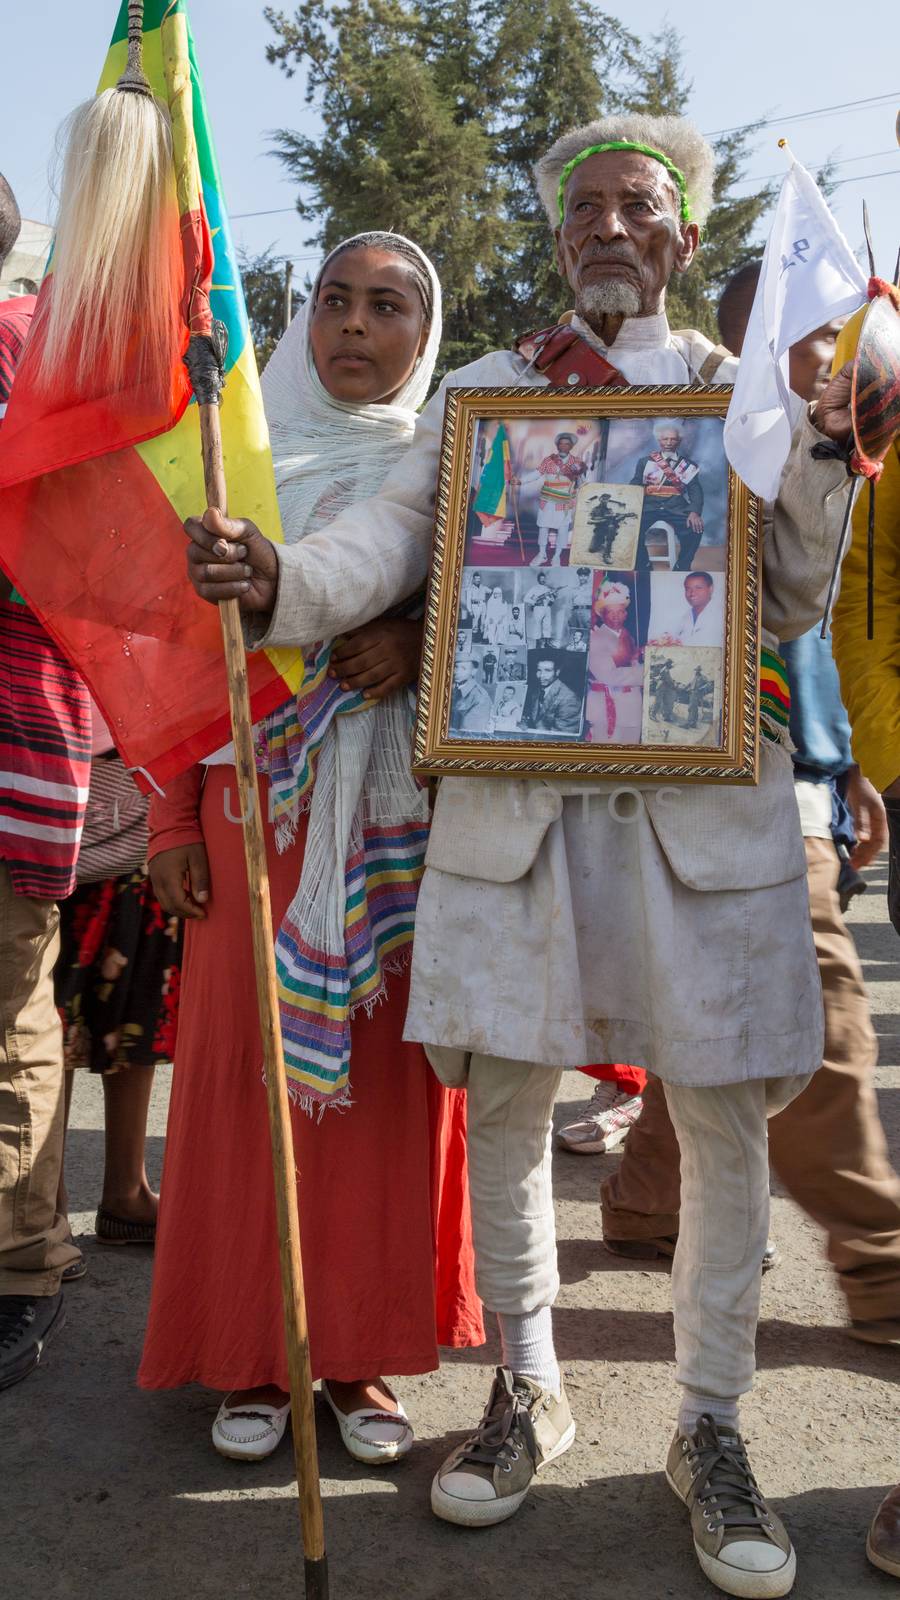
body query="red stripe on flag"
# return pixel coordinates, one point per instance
(98, 552)
(40, 435)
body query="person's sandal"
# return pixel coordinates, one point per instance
(75, 1270)
(371, 1435)
(249, 1432)
(111, 1229)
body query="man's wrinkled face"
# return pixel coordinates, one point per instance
(621, 237)
(669, 442)
(545, 673)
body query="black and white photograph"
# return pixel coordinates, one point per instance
(687, 608)
(607, 525)
(489, 689)
(682, 695)
(554, 701)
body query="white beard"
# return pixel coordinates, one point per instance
(613, 297)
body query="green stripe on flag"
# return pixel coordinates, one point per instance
(491, 497)
(154, 11)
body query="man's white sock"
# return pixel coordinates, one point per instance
(527, 1345)
(693, 1406)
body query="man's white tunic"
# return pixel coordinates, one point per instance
(568, 924)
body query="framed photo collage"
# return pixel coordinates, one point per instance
(593, 596)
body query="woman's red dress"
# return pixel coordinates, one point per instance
(382, 1190)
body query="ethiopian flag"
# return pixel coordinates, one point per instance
(490, 501)
(93, 493)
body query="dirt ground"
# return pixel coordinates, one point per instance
(110, 1493)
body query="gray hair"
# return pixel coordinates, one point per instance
(668, 425)
(674, 137)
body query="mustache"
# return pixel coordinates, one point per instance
(614, 252)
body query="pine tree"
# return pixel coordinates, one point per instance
(263, 279)
(434, 112)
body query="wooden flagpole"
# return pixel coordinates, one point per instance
(205, 359)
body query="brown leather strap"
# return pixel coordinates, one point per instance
(565, 357)
(712, 363)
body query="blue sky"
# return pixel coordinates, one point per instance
(774, 59)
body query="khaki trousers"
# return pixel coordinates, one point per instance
(827, 1147)
(34, 1237)
(717, 1270)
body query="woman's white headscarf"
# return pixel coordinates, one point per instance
(328, 454)
(344, 757)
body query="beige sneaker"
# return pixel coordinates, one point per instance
(486, 1479)
(742, 1546)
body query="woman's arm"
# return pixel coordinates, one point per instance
(179, 870)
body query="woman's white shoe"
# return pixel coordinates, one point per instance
(249, 1432)
(371, 1435)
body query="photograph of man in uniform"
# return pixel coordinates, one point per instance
(556, 480)
(470, 705)
(682, 695)
(673, 494)
(551, 705)
(607, 525)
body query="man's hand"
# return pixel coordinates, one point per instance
(831, 414)
(695, 522)
(229, 559)
(869, 819)
(180, 880)
(379, 657)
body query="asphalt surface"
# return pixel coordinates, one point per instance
(107, 1492)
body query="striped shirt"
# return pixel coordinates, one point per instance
(45, 728)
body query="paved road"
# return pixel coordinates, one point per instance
(109, 1493)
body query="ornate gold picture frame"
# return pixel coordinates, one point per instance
(593, 604)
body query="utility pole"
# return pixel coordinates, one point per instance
(288, 274)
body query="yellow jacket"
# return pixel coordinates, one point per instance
(870, 668)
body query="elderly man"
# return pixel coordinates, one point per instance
(602, 919)
(672, 493)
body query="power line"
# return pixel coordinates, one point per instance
(279, 211)
(873, 155)
(804, 116)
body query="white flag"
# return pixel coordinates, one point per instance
(809, 276)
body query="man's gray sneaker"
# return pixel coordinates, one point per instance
(485, 1480)
(742, 1546)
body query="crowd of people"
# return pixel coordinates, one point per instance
(410, 1030)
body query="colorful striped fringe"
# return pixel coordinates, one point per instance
(774, 697)
(318, 996)
(318, 993)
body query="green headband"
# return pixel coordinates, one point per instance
(625, 144)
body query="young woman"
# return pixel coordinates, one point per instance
(381, 1162)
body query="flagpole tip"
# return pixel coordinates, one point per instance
(782, 144)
